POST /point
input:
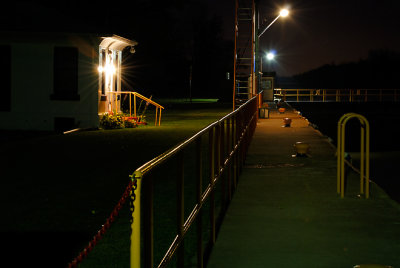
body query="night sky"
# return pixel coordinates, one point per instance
(317, 32)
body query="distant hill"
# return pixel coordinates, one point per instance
(381, 69)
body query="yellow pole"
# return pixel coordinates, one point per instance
(364, 152)
(135, 225)
(340, 152)
(342, 161)
(159, 118)
(134, 104)
(155, 121)
(367, 161)
(115, 100)
(362, 148)
(130, 105)
(339, 157)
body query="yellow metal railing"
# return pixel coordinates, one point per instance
(223, 144)
(135, 94)
(364, 152)
(337, 95)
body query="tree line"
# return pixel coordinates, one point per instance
(381, 69)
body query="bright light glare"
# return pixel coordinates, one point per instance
(109, 69)
(284, 12)
(270, 56)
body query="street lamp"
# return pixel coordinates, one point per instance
(269, 56)
(248, 60)
(283, 13)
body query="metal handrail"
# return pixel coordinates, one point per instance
(337, 95)
(228, 140)
(364, 153)
(135, 94)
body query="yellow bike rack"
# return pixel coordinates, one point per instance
(364, 148)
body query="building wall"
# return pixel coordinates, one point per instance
(32, 84)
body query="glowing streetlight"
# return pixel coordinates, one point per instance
(270, 56)
(283, 13)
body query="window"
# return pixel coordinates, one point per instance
(65, 73)
(5, 78)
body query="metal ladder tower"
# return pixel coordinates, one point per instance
(244, 86)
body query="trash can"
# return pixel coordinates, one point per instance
(264, 113)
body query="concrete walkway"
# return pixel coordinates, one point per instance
(286, 212)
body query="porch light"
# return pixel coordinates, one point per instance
(108, 69)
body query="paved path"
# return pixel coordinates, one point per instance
(286, 212)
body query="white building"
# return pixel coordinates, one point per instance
(52, 81)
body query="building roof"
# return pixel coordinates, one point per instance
(116, 42)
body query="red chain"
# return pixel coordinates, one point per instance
(104, 227)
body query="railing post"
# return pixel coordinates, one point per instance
(211, 152)
(364, 151)
(342, 174)
(218, 149)
(243, 142)
(367, 160)
(134, 104)
(229, 148)
(199, 190)
(220, 164)
(180, 208)
(235, 156)
(148, 221)
(135, 252)
(130, 105)
(339, 156)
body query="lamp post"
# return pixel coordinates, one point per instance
(246, 58)
(283, 13)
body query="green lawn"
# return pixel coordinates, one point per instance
(57, 190)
